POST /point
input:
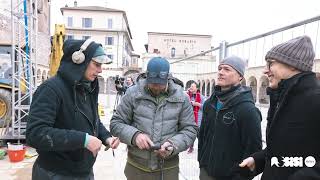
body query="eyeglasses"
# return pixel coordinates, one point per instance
(270, 63)
(162, 75)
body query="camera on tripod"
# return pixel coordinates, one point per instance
(119, 82)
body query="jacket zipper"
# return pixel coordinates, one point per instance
(93, 127)
(75, 96)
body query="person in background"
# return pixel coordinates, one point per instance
(197, 101)
(129, 81)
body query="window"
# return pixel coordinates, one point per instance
(109, 23)
(85, 37)
(109, 41)
(173, 52)
(185, 52)
(126, 47)
(134, 61)
(156, 51)
(125, 62)
(110, 56)
(70, 21)
(70, 37)
(86, 22)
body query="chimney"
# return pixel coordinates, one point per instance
(75, 3)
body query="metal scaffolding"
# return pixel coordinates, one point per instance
(23, 58)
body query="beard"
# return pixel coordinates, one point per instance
(156, 92)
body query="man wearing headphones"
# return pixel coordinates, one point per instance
(63, 123)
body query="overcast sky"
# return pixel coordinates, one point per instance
(229, 20)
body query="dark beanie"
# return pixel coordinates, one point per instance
(297, 52)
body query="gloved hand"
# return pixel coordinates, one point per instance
(165, 150)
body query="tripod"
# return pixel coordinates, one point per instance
(116, 102)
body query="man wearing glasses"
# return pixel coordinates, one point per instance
(293, 146)
(155, 119)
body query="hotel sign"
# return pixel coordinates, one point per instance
(180, 41)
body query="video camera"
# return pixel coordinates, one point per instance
(121, 89)
(119, 80)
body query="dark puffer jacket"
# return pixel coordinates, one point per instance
(292, 129)
(61, 113)
(230, 134)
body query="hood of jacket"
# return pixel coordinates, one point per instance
(69, 70)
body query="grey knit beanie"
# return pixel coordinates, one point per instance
(236, 63)
(297, 52)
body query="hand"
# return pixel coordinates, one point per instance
(94, 145)
(196, 104)
(166, 150)
(113, 142)
(143, 141)
(249, 162)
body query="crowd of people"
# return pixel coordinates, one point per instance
(157, 120)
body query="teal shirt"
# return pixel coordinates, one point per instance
(219, 105)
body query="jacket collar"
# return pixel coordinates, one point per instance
(296, 84)
(238, 94)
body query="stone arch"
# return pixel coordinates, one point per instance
(253, 84)
(39, 76)
(263, 97)
(203, 89)
(110, 85)
(243, 82)
(44, 76)
(213, 83)
(208, 88)
(102, 84)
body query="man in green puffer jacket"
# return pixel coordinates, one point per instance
(156, 111)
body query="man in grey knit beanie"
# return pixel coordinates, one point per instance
(293, 115)
(297, 52)
(236, 63)
(231, 126)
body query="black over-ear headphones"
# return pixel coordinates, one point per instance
(78, 57)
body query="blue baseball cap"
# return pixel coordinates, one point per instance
(158, 71)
